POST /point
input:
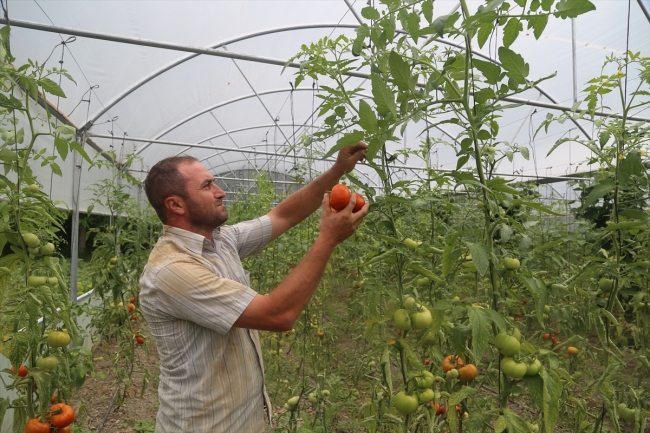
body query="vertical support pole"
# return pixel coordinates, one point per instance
(74, 251)
(573, 55)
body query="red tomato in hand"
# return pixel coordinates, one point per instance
(359, 204)
(340, 197)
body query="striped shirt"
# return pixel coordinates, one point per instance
(191, 293)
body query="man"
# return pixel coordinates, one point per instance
(196, 297)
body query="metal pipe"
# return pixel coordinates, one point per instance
(279, 62)
(644, 9)
(259, 152)
(214, 107)
(575, 64)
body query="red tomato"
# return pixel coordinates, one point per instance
(139, 339)
(22, 371)
(554, 341)
(35, 425)
(340, 197)
(62, 415)
(359, 204)
(546, 337)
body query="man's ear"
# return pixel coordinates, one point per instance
(175, 205)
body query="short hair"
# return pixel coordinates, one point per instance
(164, 180)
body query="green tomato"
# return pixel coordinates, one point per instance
(404, 403)
(626, 413)
(409, 302)
(426, 396)
(510, 346)
(58, 339)
(429, 338)
(34, 188)
(422, 282)
(411, 243)
(513, 369)
(402, 320)
(52, 281)
(516, 333)
(425, 380)
(47, 249)
(48, 363)
(31, 240)
(605, 284)
(313, 398)
(34, 251)
(547, 309)
(452, 374)
(36, 281)
(534, 428)
(293, 401)
(511, 264)
(421, 319)
(533, 368)
(113, 260)
(490, 149)
(325, 393)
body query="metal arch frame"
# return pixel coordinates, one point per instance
(172, 65)
(268, 60)
(214, 107)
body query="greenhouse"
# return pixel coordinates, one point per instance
(480, 262)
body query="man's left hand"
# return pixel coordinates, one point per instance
(349, 156)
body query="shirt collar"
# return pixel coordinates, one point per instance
(190, 240)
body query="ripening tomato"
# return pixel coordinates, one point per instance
(452, 361)
(440, 410)
(572, 350)
(133, 300)
(340, 197)
(62, 415)
(359, 204)
(546, 337)
(131, 307)
(139, 339)
(554, 341)
(35, 425)
(134, 317)
(58, 339)
(468, 373)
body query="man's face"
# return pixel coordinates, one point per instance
(205, 207)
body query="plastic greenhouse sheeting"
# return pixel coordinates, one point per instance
(235, 105)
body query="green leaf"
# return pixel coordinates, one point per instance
(367, 118)
(514, 423)
(497, 319)
(484, 33)
(538, 24)
(546, 5)
(480, 258)
(535, 386)
(626, 225)
(604, 187)
(490, 71)
(483, 95)
(370, 13)
(514, 64)
(61, 147)
(76, 146)
(384, 97)
(500, 425)
(603, 138)
(401, 72)
(439, 24)
(458, 397)
(413, 26)
(375, 145)
(511, 31)
(56, 169)
(551, 399)
(348, 139)
(427, 10)
(524, 152)
(479, 321)
(51, 87)
(572, 8)
(425, 272)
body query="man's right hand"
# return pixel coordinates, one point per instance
(337, 226)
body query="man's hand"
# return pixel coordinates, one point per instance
(349, 156)
(335, 227)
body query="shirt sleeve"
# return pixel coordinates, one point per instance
(251, 236)
(190, 291)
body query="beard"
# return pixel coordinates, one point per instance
(206, 217)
